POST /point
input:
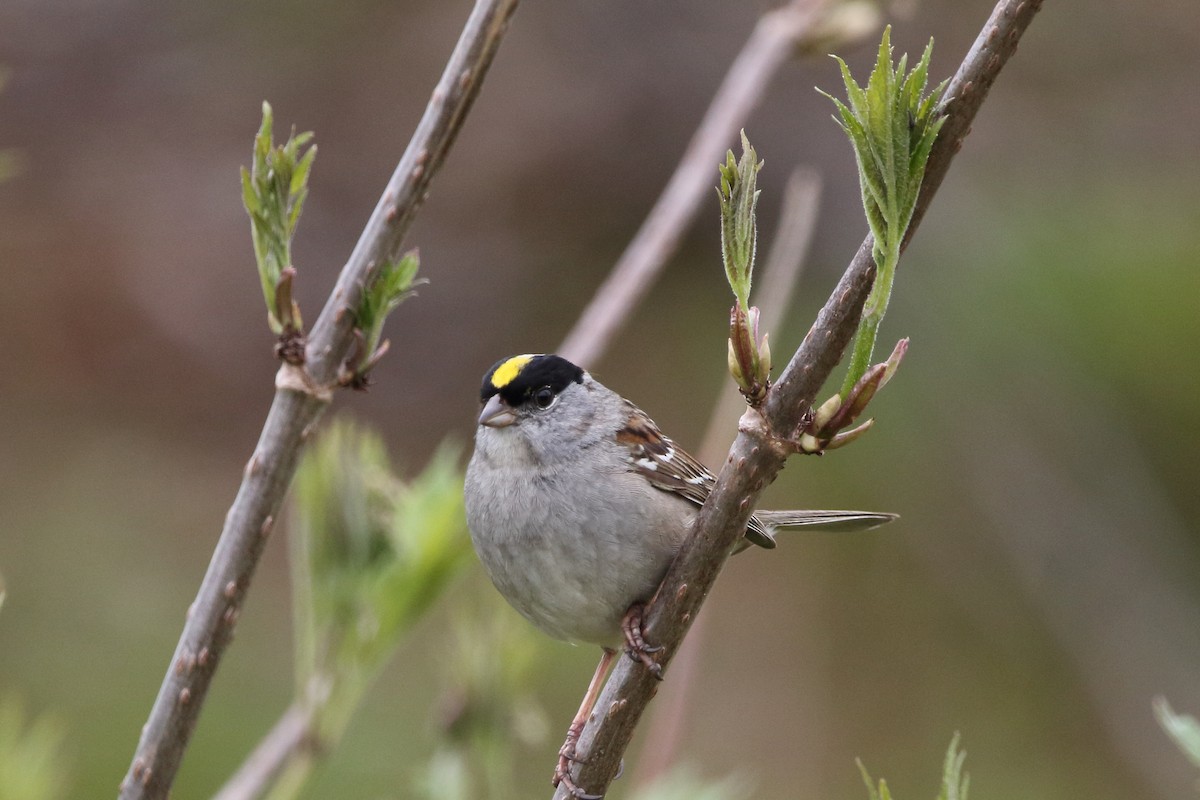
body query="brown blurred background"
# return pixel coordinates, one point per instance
(1040, 442)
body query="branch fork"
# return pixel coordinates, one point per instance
(824, 428)
(294, 378)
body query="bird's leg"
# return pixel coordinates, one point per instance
(635, 644)
(566, 753)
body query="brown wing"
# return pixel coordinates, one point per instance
(669, 467)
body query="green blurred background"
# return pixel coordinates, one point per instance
(1040, 442)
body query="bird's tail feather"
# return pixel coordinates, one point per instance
(840, 521)
(763, 524)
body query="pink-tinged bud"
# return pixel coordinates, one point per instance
(287, 313)
(846, 437)
(861, 394)
(742, 345)
(893, 362)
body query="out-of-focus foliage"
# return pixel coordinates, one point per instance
(843, 24)
(489, 709)
(682, 783)
(31, 760)
(370, 554)
(955, 783)
(1183, 729)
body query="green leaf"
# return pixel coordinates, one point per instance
(249, 198)
(880, 117)
(682, 784)
(954, 782)
(370, 554)
(856, 96)
(892, 129)
(881, 793)
(393, 284)
(300, 176)
(748, 355)
(293, 218)
(273, 192)
(739, 231)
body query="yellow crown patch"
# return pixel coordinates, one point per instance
(510, 369)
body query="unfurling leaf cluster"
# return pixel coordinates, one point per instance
(892, 123)
(273, 192)
(395, 283)
(749, 356)
(738, 195)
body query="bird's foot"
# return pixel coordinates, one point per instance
(567, 757)
(635, 644)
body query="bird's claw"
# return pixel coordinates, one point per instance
(567, 757)
(635, 643)
(563, 775)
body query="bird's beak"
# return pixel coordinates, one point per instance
(496, 414)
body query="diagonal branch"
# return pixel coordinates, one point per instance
(300, 398)
(292, 736)
(779, 275)
(775, 37)
(757, 455)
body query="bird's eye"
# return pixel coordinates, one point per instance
(544, 397)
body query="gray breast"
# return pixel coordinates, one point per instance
(572, 549)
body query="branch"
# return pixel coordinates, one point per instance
(291, 736)
(757, 455)
(300, 398)
(779, 276)
(772, 42)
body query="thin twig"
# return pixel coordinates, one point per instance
(780, 273)
(775, 37)
(291, 736)
(300, 398)
(756, 457)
